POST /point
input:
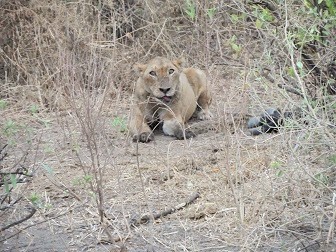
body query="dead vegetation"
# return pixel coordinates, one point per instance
(66, 83)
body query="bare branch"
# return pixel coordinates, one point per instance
(146, 218)
(32, 212)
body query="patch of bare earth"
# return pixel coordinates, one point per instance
(254, 193)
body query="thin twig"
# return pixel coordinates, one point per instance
(331, 231)
(16, 173)
(5, 154)
(283, 86)
(11, 204)
(157, 38)
(38, 223)
(33, 211)
(290, 89)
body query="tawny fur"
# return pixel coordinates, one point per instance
(168, 93)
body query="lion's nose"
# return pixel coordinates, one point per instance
(164, 90)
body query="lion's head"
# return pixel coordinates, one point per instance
(161, 77)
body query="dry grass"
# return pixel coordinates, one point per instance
(66, 78)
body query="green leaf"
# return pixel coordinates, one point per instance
(48, 168)
(266, 15)
(10, 128)
(34, 109)
(332, 159)
(3, 104)
(299, 64)
(211, 12)
(275, 164)
(190, 9)
(235, 47)
(321, 178)
(13, 180)
(87, 178)
(119, 123)
(258, 23)
(35, 199)
(234, 18)
(291, 72)
(279, 173)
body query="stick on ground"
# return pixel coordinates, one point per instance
(146, 218)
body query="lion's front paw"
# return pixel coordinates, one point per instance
(144, 137)
(187, 133)
(204, 115)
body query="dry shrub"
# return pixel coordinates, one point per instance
(40, 36)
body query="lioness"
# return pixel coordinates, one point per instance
(167, 93)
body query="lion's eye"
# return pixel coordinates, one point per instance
(152, 73)
(171, 71)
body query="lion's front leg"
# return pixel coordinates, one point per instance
(174, 126)
(204, 102)
(138, 126)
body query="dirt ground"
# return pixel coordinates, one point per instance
(244, 204)
(170, 171)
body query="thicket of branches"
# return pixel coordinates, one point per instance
(288, 39)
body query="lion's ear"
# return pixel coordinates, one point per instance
(139, 68)
(179, 63)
